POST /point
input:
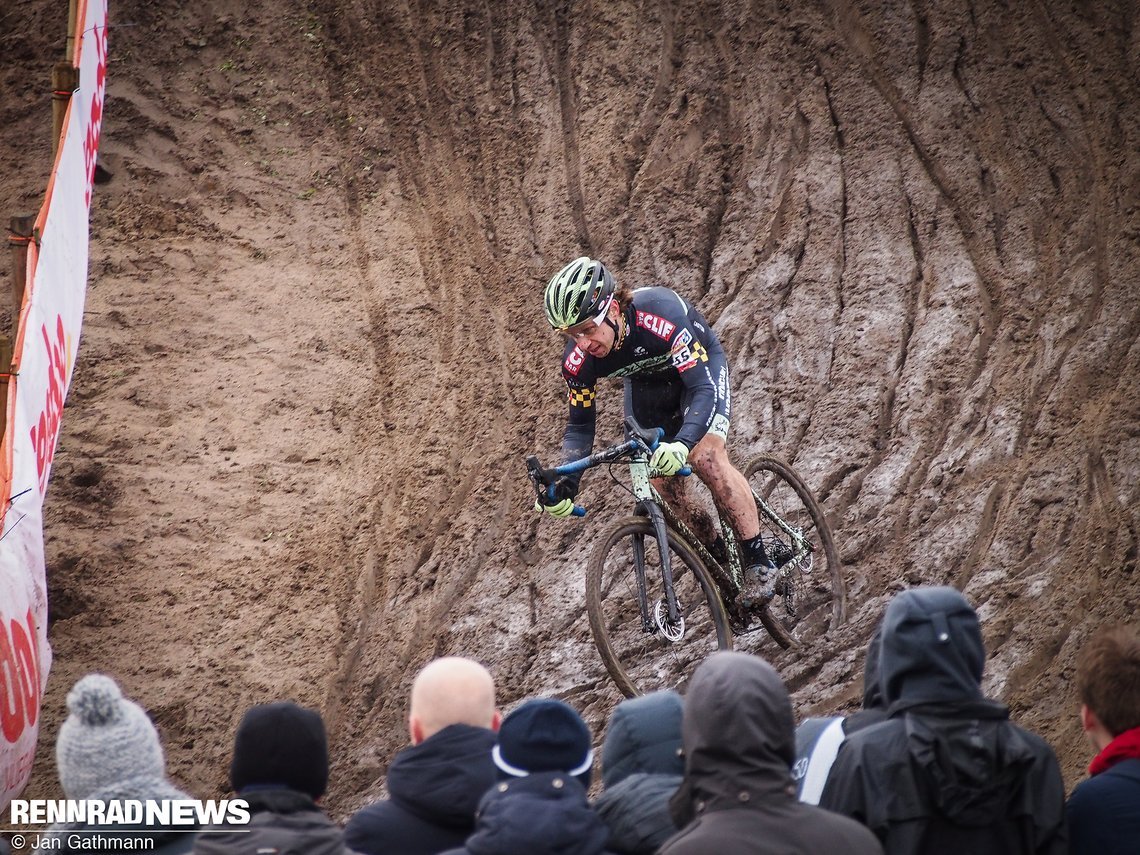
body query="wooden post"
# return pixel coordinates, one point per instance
(71, 13)
(64, 81)
(20, 235)
(5, 376)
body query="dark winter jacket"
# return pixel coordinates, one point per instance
(642, 765)
(542, 813)
(1104, 811)
(281, 822)
(947, 772)
(434, 788)
(818, 739)
(737, 795)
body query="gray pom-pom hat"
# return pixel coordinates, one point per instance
(106, 740)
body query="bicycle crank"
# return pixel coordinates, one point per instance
(673, 632)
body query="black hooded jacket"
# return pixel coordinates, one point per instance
(546, 813)
(947, 772)
(434, 788)
(641, 768)
(737, 795)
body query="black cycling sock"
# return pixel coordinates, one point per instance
(754, 551)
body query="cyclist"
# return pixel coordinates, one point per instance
(676, 378)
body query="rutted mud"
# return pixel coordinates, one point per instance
(314, 360)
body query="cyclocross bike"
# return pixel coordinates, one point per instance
(656, 613)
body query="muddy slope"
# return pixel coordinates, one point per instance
(314, 358)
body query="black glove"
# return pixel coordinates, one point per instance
(564, 488)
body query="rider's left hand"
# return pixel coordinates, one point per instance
(558, 499)
(561, 510)
(669, 458)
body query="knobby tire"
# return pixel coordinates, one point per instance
(612, 642)
(783, 631)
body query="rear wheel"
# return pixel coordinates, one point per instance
(645, 655)
(811, 597)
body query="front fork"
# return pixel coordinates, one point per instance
(646, 506)
(660, 533)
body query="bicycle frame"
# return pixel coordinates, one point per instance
(649, 503)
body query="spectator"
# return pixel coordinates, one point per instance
(818, 739)
(737, 795)
(108, 749)
(543, 761)
(435, 785)
(947, 772)
(1104, 811)
(642, 765)
(280, 767)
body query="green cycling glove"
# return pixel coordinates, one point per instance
(669, 458)
(561, 509)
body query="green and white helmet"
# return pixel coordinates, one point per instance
(580, 291)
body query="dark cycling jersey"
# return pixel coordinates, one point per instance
(668, 343)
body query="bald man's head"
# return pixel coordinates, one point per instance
(452, 690)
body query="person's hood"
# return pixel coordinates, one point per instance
(738, 734)
(644, 735)
(442, 779)
(932, 650)
(542, 813)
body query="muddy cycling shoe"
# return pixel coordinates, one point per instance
(759, 586)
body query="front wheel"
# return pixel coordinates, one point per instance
(811, 597)
(641, 648)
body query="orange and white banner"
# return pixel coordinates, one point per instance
(46, 344)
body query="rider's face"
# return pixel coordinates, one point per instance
(595, 339)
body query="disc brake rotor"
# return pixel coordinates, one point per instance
(673, 632)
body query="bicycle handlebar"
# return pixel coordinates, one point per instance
(544, 479)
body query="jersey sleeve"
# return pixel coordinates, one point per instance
(690, 356)
(581, 393)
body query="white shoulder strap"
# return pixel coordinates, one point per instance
(819, 764)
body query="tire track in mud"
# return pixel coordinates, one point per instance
(451, 244)
(556, 49)
(849, 27)
(651, 116)
(358, 625)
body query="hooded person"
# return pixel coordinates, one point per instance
(642, 766)
(108, 750)
(280, 767)
(737, 797)
(543, 760)
(947, 772)
(435, 784)
(818, 739)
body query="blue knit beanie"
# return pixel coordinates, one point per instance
(544, 735)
